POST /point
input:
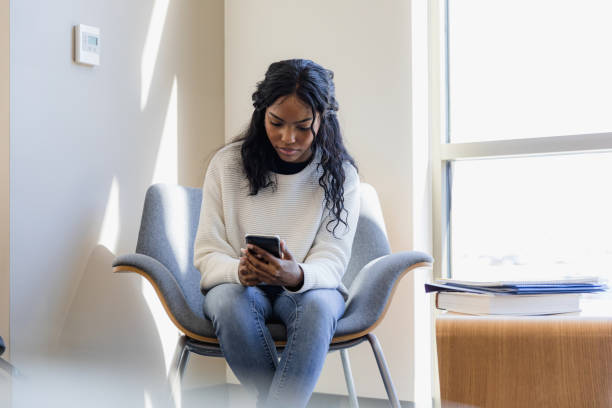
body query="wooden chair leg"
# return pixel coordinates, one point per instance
(348, 376)
(384, 370)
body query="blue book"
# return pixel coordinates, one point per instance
(568, 285)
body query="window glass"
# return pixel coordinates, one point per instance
(534, 216)
(524, 68)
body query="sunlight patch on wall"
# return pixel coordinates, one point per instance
(165, 172)
(109, 233)
(168, 333)
(151, 49)
(166, 164)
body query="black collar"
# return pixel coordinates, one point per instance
(282, 167)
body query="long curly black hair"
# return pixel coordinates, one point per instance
(314, 86)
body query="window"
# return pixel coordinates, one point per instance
(522, 137)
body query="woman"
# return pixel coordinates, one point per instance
(288, 175)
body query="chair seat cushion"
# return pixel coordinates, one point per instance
(368, 295)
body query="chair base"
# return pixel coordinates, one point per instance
(188, 345)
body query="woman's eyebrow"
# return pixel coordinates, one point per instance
(295, 123)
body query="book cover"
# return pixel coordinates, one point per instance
(514, 305)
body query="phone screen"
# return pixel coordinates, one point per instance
(270, 243)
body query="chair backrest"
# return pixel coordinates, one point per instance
(170, 220)
(371, 236)
(167, 233)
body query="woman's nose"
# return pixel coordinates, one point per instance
(288, 136)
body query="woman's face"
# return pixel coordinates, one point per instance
(288, 121)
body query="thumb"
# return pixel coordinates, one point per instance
(285, 252)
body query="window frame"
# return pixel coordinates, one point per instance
(443, 152)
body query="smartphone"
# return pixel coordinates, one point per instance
(270, 243)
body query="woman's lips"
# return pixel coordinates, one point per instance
(288, 152)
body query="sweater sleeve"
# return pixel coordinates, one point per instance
(329, 255)
(214, 257)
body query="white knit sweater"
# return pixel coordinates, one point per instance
(295, 211)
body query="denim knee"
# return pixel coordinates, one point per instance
(319, 309)
(316, 311)
(220, 299)
(230, 301)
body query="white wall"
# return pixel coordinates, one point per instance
(85, 145)
(367, 45)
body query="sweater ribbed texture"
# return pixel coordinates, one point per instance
(294, 210)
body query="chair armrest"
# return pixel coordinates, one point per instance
(151, 269)
(371, 291)
(164, 282)
(191, 322)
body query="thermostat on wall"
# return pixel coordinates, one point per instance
(87, 45)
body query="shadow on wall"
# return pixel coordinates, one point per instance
(109, 309)
(90, 369)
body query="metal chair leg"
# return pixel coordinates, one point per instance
(8, 367)
(177, 369)
(348, 376)
(384, 370)
(184, 357)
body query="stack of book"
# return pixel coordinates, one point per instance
(518, 298)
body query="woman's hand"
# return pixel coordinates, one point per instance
(247, 278)
(269, 269)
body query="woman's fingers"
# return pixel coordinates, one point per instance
(247, 277)
(263, 260)
(244, 275)
(264, 274)
(262, 254)
(252, 282)
(258, 267)
(285, 252)
(266, 266)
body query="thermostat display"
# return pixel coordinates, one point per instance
(87, 47)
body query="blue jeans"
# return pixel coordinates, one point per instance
(239, 315)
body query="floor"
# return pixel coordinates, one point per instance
(234, 396)
(54, 382)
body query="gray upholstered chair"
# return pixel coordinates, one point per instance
(166, 261)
